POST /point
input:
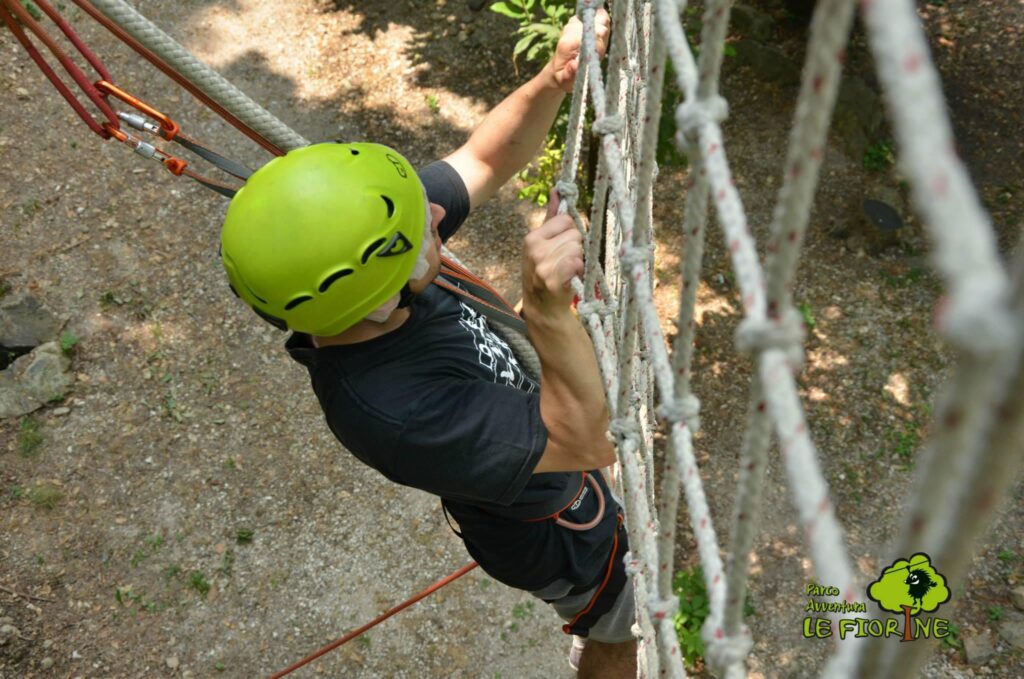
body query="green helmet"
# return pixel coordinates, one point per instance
(319, 238)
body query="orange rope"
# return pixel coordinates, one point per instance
(376, 621)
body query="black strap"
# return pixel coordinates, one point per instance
(233, 168)
(447, 518)
(483, 301)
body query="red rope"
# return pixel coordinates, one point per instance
(376, 621)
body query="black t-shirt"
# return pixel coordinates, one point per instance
(442, 404)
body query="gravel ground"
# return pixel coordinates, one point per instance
(206, 523)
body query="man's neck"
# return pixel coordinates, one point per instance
(366, 330)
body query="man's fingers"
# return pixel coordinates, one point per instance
(553, 200)
(552, 227)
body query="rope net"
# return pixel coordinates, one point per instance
(970, 461)
(974, 453)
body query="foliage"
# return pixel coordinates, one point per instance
(541, 176)
(32, 10)
(694, 609)
(540, 25)
(68, 340)
(808, 315)
(45, 495)
(197, 581)
(879, 156)
(668, 154)
(29, 437)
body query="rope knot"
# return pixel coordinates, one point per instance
(608, 124)
(662, 608)
(568, 191)
(693, 115)
(631, 255)
(723, 652)
(624, 428)
(591, 307)
(685, 409)
(632, 565)
(786, 333)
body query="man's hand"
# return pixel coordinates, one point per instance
(552, 256)
(566, 61)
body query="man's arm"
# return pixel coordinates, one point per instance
(572, 399)
(509, 137)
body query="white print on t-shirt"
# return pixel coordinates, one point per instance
(494, 353)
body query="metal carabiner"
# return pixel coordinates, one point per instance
(168, 128)
(174, 165)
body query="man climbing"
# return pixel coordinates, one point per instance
(340, 243)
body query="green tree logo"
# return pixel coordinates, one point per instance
(910, 586)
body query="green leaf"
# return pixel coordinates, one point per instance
(543, 29)
(522, 45)
(503, 9)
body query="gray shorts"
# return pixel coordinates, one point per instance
(614, 627)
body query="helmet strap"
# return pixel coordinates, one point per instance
(405, 296)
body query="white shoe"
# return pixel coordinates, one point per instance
(576, 652)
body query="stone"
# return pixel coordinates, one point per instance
(767, 62)
(978, 648)
(34, 379)
(751, 23)
(1017, 597)
(859, 116)
(25, 323)
(172, 662)
(1012, 632)
(46, 663)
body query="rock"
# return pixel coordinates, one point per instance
(858, 117)
(21, 93)
(751, 23)
(1012, 632)
(34, 379)
(172, 662)
(7, 632)
(46, 663)
(25, 323)
(978, 649)
(767, 62)
(1017, 597)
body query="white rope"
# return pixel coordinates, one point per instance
(201, 75)
(772, 329)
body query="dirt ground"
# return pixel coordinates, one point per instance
(187, 512)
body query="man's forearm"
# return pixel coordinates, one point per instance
(572, 397)
(509, 137)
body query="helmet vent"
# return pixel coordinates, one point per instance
(354, 152)
(391, 206)
(333, 277)
(372, 248)
(273, 320)
(398, 245)
(296, 302)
